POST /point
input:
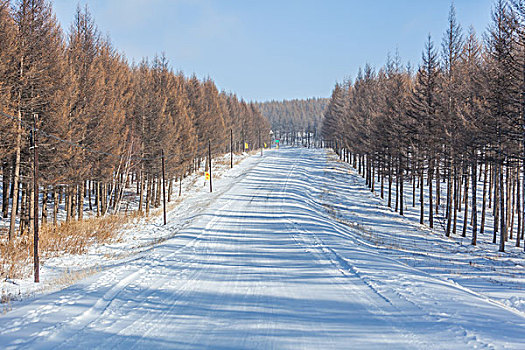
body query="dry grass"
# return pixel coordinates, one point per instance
(226, 160)
(74, 237)
(222, 161)
(5, 300)
(69, 277)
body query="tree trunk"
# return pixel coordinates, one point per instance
(74, 194)
(390, 183)
(16, 176)
(460, 189)
(430, 194)
(153, 192)
(68, 203)
(518, 205)
(490, 183)
(495, 208)
(140, 190)
(456, 200)
(97, 198)
(484, 204)
(159, 191)
(413, 189)
(55, 206)
(148, 194)
(96, 193)
(6, 178)
(372, 174)
(465, 201)
(508, 186)
(474, 200)
(397, 190)
(382, 182)
(379, 168)
(104, 198)
(170, 189)
(496, 191)
(22, 210)
(438, 188)
(31, 211)
(512, 204)
(80, 202)
(44, 205)
(90, 185)
(449, 200)
(503, 230)
(421, 196)
(401, 182)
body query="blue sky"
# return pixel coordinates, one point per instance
(275, 49)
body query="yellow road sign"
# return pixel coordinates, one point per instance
(206, 176)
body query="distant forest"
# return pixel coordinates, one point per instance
(297, 116)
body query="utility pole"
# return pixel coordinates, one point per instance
(163, 185)
(35, 206)
(231, 148)
(209, 163)
(260, 145)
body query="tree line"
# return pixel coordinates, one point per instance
(455, 125)
(103, 124)
(289, 118)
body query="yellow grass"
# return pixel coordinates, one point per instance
(74, 237)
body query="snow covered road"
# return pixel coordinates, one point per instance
(264, 266)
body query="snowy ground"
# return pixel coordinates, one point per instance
(291, 251)
(500, 276)
(136, 238)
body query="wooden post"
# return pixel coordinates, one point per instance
(260, 146)
(35, 206)
(163, 186)
(209, 163)
(231, 148)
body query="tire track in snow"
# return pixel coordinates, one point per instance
(185, 288)
(182, 291)
(345, 264)
(311, 246)
(47, 336)
(310, 240)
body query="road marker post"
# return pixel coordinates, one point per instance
(209, 164)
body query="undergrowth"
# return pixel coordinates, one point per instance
(73, 237)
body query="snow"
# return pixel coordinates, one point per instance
(137, 238)
(481, 268)
(290, 251)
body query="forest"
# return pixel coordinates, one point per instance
(293, 117)
(100, 124)
(455, 126)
